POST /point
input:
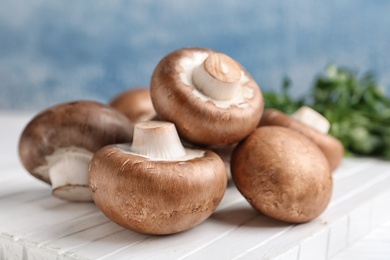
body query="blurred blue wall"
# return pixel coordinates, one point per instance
(54, 51)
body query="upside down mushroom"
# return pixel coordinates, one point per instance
(57, 145)
(282, 174)
(155, 185)
(210, 97)
(311, 124)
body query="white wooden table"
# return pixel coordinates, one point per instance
(35, 225)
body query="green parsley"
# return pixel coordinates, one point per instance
(356, 106)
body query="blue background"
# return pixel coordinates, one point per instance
(54, 51)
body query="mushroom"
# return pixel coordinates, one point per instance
(57, 145)
(283, 174)
(135, 103)
(155, 185)
(210, 97)
(312, 118)
(313, 125)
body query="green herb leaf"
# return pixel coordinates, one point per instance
(356, 106)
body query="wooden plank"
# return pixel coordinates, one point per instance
(255, 240)
(168, 248)
(300, 232)
(231, 195)
(373, 246)
(338, 236)
(35, 225)
(113, 243)
(179, 244)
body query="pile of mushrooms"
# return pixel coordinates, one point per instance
(201, 123)
(156, 185)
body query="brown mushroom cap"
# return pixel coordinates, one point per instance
(135, 103)
(85, 125)
(330, 146)
(282, 174)
(156, 197)
(199, 118)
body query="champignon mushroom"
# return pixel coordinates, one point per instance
(312, 125)
(155, 185)
(210, 97)
(135, 103)
(312, 118)
(282, 174)
(57, 145)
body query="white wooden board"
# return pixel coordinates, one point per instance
(35, 225)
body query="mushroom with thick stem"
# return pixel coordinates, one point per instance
(57, 145)
(155, 185)
(311, 124)
(210, 97)
(135, 103)
(283, 174)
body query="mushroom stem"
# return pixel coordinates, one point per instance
(69, 176)
(157, 139)
(218, 77)
(312, 118)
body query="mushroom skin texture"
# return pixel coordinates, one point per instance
(210, 98)
(57, 145)
(282, 174)
(156, 195)
(332, 148)
(135, 103)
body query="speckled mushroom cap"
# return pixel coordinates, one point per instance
(282, 174)
(156, 196)
(135, 103)
(86, 125)
(198, 117)
(330, 146)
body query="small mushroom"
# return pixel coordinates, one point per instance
(283, 174)
(311, 124)
(135, 103)
(155, 185)
(57, 145)
(210, 97)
